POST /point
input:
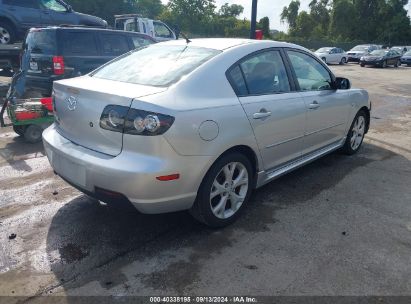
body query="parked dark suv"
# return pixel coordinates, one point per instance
(56, 53)
(18, 16)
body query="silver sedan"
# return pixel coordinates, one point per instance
(198, 125)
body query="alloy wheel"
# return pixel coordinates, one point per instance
(229, 190)
(358, 132)
(4, 36)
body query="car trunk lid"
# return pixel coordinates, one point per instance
(79, 103)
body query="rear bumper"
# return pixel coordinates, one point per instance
(131, 175)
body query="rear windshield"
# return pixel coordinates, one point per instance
(156, 65)
(379, 52)
(41, 42)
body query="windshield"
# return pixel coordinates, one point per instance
(156, 65)
(378, 53)
(407, 53)
(323, 50)
(361, 48)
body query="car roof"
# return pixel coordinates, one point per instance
(227, 43)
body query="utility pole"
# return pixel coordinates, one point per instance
(253, 19)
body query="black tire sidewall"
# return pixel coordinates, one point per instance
(10, 29)
(202, 208)
(31, 132)
(347, 145)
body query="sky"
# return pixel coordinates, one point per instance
(269, 8)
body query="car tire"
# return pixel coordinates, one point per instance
(384, 64)
(214, 203)
(19, 130)
(7, 33)
(33, 134)
(397, 64)
(343, 61)
(356, 134)
(362, 65)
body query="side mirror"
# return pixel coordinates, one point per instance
(342, 83)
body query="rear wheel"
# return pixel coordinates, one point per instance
(19, 130)
(397, 64)
(356, 134)
(7, 33)
(33, 134)
(362, 65)
(224, 191)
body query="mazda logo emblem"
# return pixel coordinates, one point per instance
(71, 103)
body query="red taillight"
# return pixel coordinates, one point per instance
(58, 65)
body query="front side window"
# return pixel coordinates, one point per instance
(53, 5)
(311, 75)
(162, 31)
(156, 65)
(265, 73)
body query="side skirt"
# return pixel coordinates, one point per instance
(264, 178)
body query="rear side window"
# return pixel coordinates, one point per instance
(80, 44)
(41, 42)
(139, 42)
(237, 81)
(114, 44)
(265, 73)
(156, 65)
(23, 3)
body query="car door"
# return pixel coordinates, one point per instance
(55, 13)
(162, 32)
(327, 109)
(27, 12)
(333, 56)
(275, 111)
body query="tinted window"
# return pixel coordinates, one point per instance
(311, 75)
(41, 42)
(156, 65)
(80, 43)
(265, 73)
(114, 44)
(140, 41)
(53, 5)
(22, 3)
(237, 81)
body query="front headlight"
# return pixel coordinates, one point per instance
(362, 58)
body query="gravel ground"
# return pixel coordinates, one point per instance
(339, 226)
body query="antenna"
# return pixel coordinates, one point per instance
(185, 37)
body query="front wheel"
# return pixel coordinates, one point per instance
(356, 134)
(224, 191)
(384, 64)
(397, 64)
(343, 61)
(362, 65)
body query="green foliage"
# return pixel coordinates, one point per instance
(233, 10)
(264, 25)
(383, 21)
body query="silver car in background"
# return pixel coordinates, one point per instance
(197, 126)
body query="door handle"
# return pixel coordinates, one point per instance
(262, 114)
(314, 105)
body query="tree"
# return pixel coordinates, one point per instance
(304, 25)
(320, 14)
(149, 8)
(290, 13)
(264, 25)
(233, 10)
